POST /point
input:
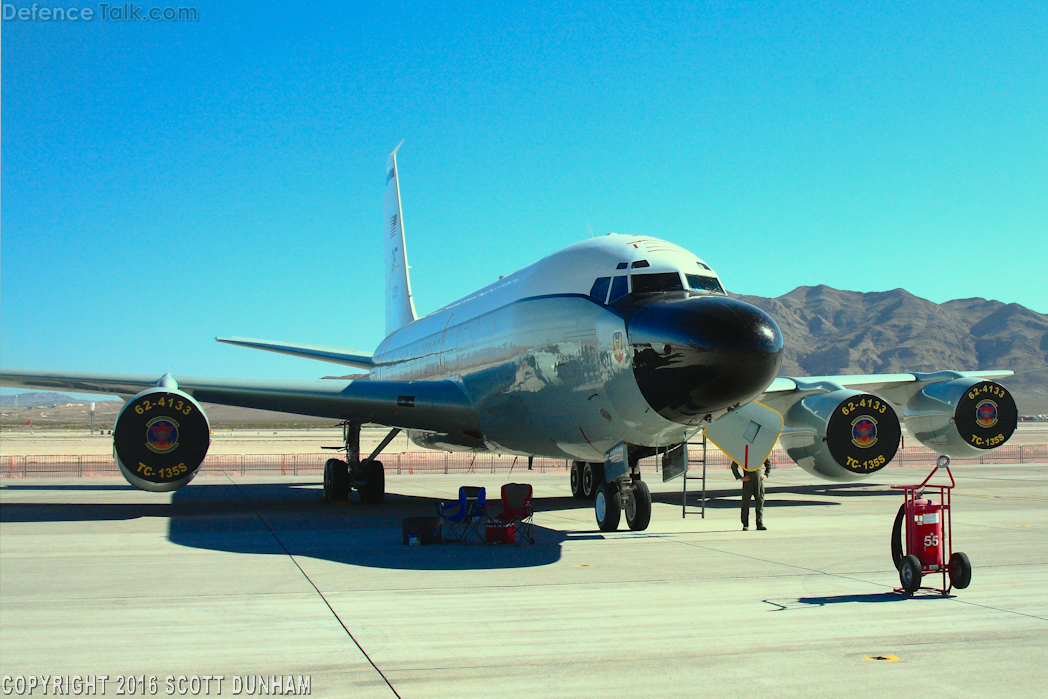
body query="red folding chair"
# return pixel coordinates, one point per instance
(516, 521)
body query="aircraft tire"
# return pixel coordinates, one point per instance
(608, 507)
(910, 574)
(374, 490)
(592, 477)
(638, 508)
(336, 480)
(960, 570)
(576, 479)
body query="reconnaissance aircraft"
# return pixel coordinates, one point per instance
(611, 350)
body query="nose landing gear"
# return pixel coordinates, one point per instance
(626, 493)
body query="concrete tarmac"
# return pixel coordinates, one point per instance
(255, 576)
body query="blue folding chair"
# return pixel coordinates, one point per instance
(466, 518)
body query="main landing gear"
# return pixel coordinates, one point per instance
(629, 495)
(367, 476)
(586, 478)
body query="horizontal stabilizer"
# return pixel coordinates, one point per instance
(335, 355)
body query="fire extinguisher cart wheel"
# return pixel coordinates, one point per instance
(923, 547)
(910, 574)
(960, 570)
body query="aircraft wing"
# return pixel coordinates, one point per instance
(898, 388)
(439, 406)
(871, 382)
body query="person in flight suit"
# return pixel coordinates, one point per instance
(752, 486)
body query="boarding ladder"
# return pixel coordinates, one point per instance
(696, 454)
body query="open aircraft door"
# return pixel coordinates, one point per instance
(747, 434)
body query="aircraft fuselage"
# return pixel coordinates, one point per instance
(549, 362)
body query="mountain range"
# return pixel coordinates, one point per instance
(37, 399)
(829, 331)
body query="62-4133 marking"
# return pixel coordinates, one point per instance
(179, 405)
(864, 402)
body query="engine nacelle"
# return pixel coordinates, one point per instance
(160, 439)
(962, 417)
(842, 435)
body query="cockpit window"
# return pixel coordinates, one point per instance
(622, 265)
(599, 290)
(703, 265)
(700, 283)
(662, 281)
(640, 263)
(619, 288)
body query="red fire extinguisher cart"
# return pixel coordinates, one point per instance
(928, 537)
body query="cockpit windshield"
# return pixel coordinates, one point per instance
(599, 290)
(699, 282)
(661, 281)
(619, 288)
(651, 283)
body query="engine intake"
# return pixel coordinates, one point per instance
(962, 417)
(842, 435)
(160, 439)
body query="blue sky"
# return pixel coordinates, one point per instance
(166, 183)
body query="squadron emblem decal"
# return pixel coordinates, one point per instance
(986, 414)
(864, 431)
(162, 435)
(620, 353)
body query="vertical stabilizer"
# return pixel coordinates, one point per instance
(400, 307)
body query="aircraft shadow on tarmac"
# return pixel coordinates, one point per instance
(783, 605)
(291, 518)
(729, 498)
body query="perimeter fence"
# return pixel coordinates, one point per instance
(431, 462)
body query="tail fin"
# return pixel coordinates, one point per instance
(400, 307)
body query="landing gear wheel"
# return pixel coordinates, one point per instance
(336, 480)
(910, 574)
(592, 477)
(374, 490)
(638, 507)
(960, 571)
(576, 479)
(608, 506)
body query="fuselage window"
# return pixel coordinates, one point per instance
(619, 288)
(622, 265)
(600, 288)
(640, 263)
(700, 283)
(662, 281)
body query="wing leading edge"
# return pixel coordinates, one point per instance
(910, 383)
(335, 355)
(438, 406)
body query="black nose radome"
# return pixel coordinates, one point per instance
(694, 355)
